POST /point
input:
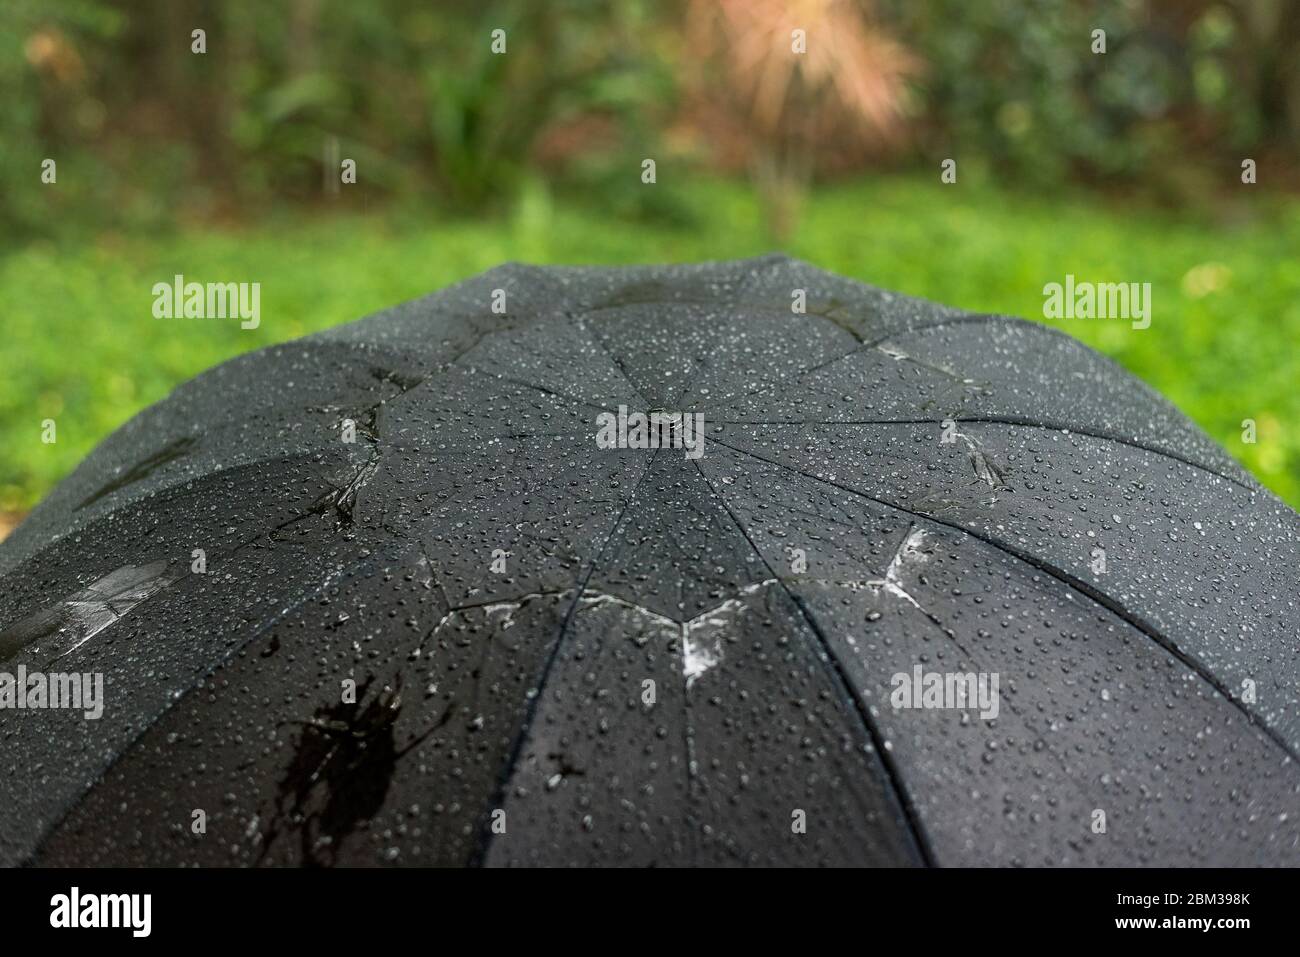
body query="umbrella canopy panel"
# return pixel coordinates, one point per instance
(471, 635)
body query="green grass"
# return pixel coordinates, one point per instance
(81, 345)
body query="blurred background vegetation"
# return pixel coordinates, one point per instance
(1122, 166)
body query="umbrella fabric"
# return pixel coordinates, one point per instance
(563, 653)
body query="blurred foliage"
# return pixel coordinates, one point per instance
(147, 133)
(1184, 91)
(413, 92)
(47, 109)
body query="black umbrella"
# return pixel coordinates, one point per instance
(935, 588)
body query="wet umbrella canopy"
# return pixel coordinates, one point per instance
(939, 588)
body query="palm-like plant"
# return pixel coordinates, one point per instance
(790, 104)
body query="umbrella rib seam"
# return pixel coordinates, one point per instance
(486, 834)
(1094, 595)
(271, 621)
(336, 576)
(906, 805)
(613, 359)
(1046, 425)
(551, 392)
(866, 345)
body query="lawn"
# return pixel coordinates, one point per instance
(83, 348)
